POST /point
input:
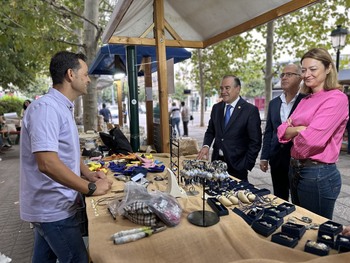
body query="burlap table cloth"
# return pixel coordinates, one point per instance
(230, 240)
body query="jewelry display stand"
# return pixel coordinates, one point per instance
(203, 218)
(173, 187)
(202, 171)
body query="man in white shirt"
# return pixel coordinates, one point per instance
(280, 108)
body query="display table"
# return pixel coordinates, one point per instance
(230, 240)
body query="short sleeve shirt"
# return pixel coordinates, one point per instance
(48, 125)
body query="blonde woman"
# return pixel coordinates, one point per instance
(316, 128)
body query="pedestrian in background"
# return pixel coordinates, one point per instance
(24, 107)
(280, 108)
(52, 175)
(106, 113)
(185, 115)
(234, 126)
(174, 115)
(316, 128)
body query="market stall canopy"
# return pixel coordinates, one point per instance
(190, 24)
(344, 77)
(111, 59)
(195, 24)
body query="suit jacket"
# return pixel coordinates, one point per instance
(271, 147)
(240, 141)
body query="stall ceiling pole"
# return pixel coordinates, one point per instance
(120, 102)
(133, 102)
(162, 74)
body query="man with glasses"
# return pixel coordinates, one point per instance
(280, 108)
(235, 125)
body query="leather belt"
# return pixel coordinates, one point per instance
(306, 163)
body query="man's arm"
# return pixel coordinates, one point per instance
(50, 164)
(110, 116)
(265, 152)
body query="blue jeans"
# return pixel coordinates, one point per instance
(315, 188)
(175, 123)
(60, 240)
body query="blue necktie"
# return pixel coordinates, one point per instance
(227, 114)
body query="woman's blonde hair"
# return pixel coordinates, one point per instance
(325, 58)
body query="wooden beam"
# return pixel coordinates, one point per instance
(162, 74)
(149, 29)
(171, 31)
(260, 20)
(113, 23)
(152, 42)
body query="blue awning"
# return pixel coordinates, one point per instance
(111, 59)
(344, 76)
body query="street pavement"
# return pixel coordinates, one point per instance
(16, 236)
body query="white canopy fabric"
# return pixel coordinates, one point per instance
(193, 23)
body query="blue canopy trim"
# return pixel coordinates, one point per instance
(111, 59)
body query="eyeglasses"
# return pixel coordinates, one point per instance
(288, 74)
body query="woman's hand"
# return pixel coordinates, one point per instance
(346, 231)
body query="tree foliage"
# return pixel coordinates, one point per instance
(11, 104)
(227, 58)
(32, 31)
(310, 27)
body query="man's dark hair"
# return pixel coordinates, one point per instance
(182, 103)
(61, 62)
(103, 105)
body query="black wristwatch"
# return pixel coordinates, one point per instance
(92, 189)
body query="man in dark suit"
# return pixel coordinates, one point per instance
(239, 141)
(273, 152)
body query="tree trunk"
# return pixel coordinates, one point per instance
(201, 84)
(268, 70)
(90, 42)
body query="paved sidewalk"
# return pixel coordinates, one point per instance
(16, 237)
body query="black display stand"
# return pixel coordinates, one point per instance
(174, 153)
(203, 218)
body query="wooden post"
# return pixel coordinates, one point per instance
(149, 101)
(162, 73)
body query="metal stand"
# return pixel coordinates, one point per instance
(203, 218)
(174, 153)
